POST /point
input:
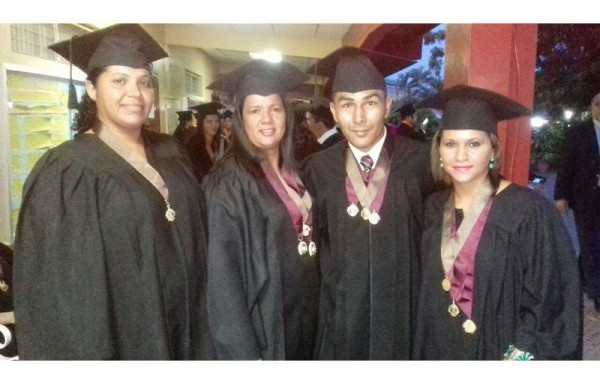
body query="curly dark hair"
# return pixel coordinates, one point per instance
(87, 112)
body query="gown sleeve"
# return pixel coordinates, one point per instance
(232, 272)
(550, 316)
(60, 289)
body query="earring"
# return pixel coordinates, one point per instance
(492, 161)
(441, 163)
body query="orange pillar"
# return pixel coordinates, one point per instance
(501, 58)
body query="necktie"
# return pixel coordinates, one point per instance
(367, 164)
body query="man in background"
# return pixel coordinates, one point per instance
(407, 120)
(578, 187)
(320, 122)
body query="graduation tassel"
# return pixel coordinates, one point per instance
(72, 102)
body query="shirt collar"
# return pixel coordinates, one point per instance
(326, 135)
(374, 152)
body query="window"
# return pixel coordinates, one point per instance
(193, 85)
(34, 39)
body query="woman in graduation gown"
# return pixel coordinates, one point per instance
(204, 145)
(500, 277)
(110, 244)
(262, 267)
(186, 128)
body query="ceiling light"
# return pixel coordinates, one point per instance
(272, 56)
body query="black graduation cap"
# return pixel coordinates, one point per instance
(352, 69)
(260, 77)
(122, 44)
(210, 108)
(184, 115)
(467, 107)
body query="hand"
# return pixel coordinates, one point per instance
(562, 206)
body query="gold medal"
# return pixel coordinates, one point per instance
(365, 213)
(352, 210)
(469, 326)
(374, 218)
(453, 310)
(302, 248)
(312, 248)
(446, 285)
(170, 214)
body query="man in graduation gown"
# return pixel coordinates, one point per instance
(370, 233)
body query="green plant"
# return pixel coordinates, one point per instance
(547, 143)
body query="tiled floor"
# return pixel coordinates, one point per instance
(591, 318)
(591, 332)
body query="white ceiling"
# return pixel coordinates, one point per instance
(230, 44)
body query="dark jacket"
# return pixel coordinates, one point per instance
(577, 179)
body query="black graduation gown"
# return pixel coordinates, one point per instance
(262, 295)
(199, 156)
(526, 285)
(184, 134)
(370, 273)
(99, 272)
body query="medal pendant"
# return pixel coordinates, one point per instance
(365, 213)
(3, 286)
(312, 248)
(446, 285)
(302, 248)
(453, 310)
(170, 214)
(305, 230)
(469, 326)
(352, 210)
(374, 218)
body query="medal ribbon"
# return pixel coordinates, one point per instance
(459, 247)
(289, 189)
(136, 161)
(370, 196)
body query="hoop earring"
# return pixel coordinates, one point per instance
(441, 163)
(492, 161)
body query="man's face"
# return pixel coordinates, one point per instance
(596, 107)
(311, 122)
(361, 116)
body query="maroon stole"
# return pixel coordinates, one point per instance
(298, 203)
(369, 197)
(458, 249)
